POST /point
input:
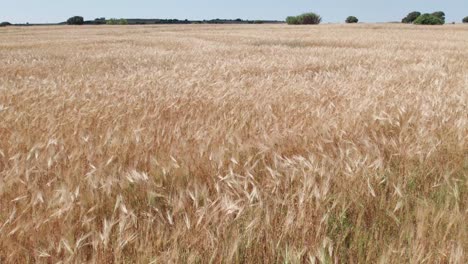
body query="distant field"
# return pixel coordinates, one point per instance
(234, 144)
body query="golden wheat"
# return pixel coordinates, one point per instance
(234, 144)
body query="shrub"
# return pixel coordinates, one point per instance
(428, 19)
(309, 19)
(114, 21)
(292, 20)
(411, 17)
(304, 19)
(76, 20)
(465, 20)
(4, 24)
(352, 19)
(100, 21)
(440, 15)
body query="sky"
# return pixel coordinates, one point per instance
(52, 11)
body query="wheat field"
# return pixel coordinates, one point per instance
(234, 144)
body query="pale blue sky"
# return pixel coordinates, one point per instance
(42, 11)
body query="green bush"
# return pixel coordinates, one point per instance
(352, 19)
(428, 19)
(309, 19)
(76, 20)
(4, 24)
(411, 17)
(100, 21)
(304, 19)
(465, 20)
(440, 15)
(114, 21)
(292, 20)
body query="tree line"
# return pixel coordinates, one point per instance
(415, 17)
(78, 20)
(436, 18)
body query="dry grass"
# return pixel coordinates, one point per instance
(234, 144)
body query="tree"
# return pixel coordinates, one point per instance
(309, 19)
(465, 20)
(440, 15)
(304, 19)
(100, 21)
(292, 20)
(428, 19)
(352, 19)
(411, 17)
(4, 24)
(76, 20)
(112, 21)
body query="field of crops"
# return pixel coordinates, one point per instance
(234, 144)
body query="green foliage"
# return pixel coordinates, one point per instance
(411, 17)
(114, 21)
(100, 21)
(465, 20)
(304, 19)
(76, 20)
(352, 19)
(428, 19)
(4, 24)
(440, 15)
(309, 19)
(292, 20)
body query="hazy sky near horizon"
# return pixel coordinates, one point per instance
(51, 11)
